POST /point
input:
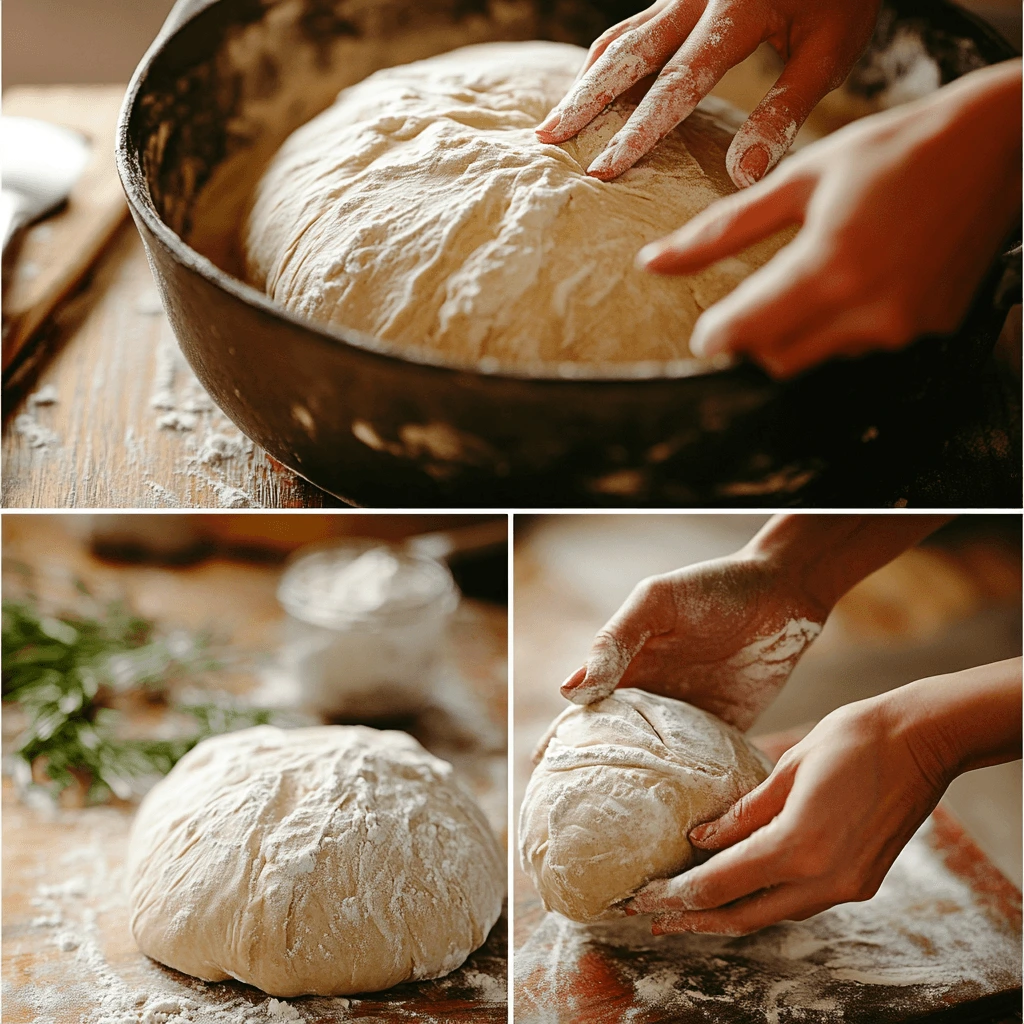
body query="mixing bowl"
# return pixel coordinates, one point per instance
(380, 425)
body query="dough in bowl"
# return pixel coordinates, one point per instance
(328, 860)
(422, 209)
(619, 786)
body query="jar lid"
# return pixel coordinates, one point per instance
(362, 582)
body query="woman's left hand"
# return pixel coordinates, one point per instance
(827, 824)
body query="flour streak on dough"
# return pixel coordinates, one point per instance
(421, 209)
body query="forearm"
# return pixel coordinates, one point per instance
(823, 556)
(960, 721)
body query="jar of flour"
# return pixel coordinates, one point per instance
(366, 627)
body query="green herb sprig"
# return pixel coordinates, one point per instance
(63, 671)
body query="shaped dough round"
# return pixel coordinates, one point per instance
(620, 784)
(421, 208)
(328, 860)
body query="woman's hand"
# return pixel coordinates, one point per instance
(689, 45)
(901, 214)
(827, 824)
(723, 635)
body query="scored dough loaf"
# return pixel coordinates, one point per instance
(328, 860)
(422, 209)
(619, 786)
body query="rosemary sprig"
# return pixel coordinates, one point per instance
(63, 672)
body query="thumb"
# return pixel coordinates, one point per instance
(644, 613)
(748, 814)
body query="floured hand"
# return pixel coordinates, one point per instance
(827, 824)
(689, 45)
(722, 635)
(901, 215)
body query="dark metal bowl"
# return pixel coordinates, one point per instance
(380, 427)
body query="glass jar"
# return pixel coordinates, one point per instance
(366, 627)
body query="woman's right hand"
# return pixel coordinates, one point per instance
(723, 635)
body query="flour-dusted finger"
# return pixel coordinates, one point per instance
(649, 610)
(765, 137)
(716, 44)
(786, 903)
(756, 863)
(749, 813)
(633, 56)
(606, 38)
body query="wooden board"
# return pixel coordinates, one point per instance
(125, 423)
(54, 254)
(942, 933)
(68, 954)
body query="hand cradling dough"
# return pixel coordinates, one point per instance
(421, 208)
(620, 785)
(329, 860)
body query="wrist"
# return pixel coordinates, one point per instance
(961, 721)
(799, 556)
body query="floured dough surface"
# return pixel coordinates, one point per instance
(329, 860)
(421, 209)
(619, 786)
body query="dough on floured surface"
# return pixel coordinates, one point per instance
(421, 208)
(619, 786)
(329, 860)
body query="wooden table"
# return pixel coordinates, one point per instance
(919, 615)
(68, 955)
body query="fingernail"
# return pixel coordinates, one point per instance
(630, 910)
(754, 163)
(649, 253)
(656, 929)
(548, 126)
(603, 165)
(703, 832)
(575, 680)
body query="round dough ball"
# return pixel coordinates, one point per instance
(422, 209)
(328, 861)
(620, 785)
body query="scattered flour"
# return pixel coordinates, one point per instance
(232, 497)
(278, 1010)
(44, 396)
(178, 421)
(920, 939)
(35, 433)
(65, 973)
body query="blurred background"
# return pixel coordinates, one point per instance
(101, 41)
(949, 604)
